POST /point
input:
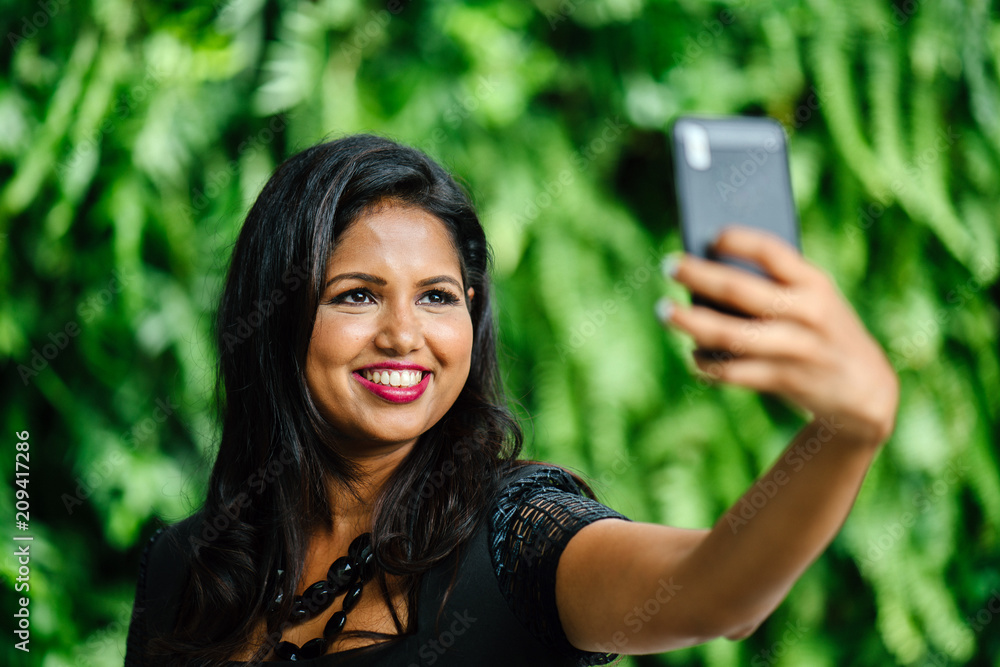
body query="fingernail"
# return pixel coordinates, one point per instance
(664, 309)
(670, 264)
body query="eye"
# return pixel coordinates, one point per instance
(439, 297)
(355, 296)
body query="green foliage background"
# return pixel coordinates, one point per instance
(133, 137)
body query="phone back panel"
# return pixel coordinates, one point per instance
(744, 179)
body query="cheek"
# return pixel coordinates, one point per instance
(335, 341)
(456, 344)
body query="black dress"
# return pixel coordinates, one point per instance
(502, 610)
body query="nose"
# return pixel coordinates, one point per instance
(400, 329)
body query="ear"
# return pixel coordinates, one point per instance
(470, 294)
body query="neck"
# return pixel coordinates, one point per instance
(354, 511)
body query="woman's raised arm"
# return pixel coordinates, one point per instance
(643, 588)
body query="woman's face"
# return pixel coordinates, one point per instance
(391, 347)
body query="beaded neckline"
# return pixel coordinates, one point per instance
(347, 574)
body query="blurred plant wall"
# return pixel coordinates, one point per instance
(134, 136)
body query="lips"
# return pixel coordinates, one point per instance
(394, 381)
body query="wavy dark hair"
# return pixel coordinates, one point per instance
(268, 485)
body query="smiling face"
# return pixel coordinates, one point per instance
(392, 343)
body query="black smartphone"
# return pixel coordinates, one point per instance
(732, 170)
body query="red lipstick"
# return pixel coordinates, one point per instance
(388, 392)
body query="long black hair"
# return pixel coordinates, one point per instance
(267, 489)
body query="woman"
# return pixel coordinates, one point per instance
(361, 394)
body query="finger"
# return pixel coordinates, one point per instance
(731, 336)
(763, 375)
(733, 287)
(779, 259)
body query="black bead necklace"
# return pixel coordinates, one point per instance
(347, 574)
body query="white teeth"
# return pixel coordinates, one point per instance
(394, 378)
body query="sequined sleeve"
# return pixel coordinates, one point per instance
(535, 517)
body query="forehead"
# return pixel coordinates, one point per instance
(398, 236)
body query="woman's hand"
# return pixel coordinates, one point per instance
(804, 341)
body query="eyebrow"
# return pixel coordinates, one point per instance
(375, 280)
